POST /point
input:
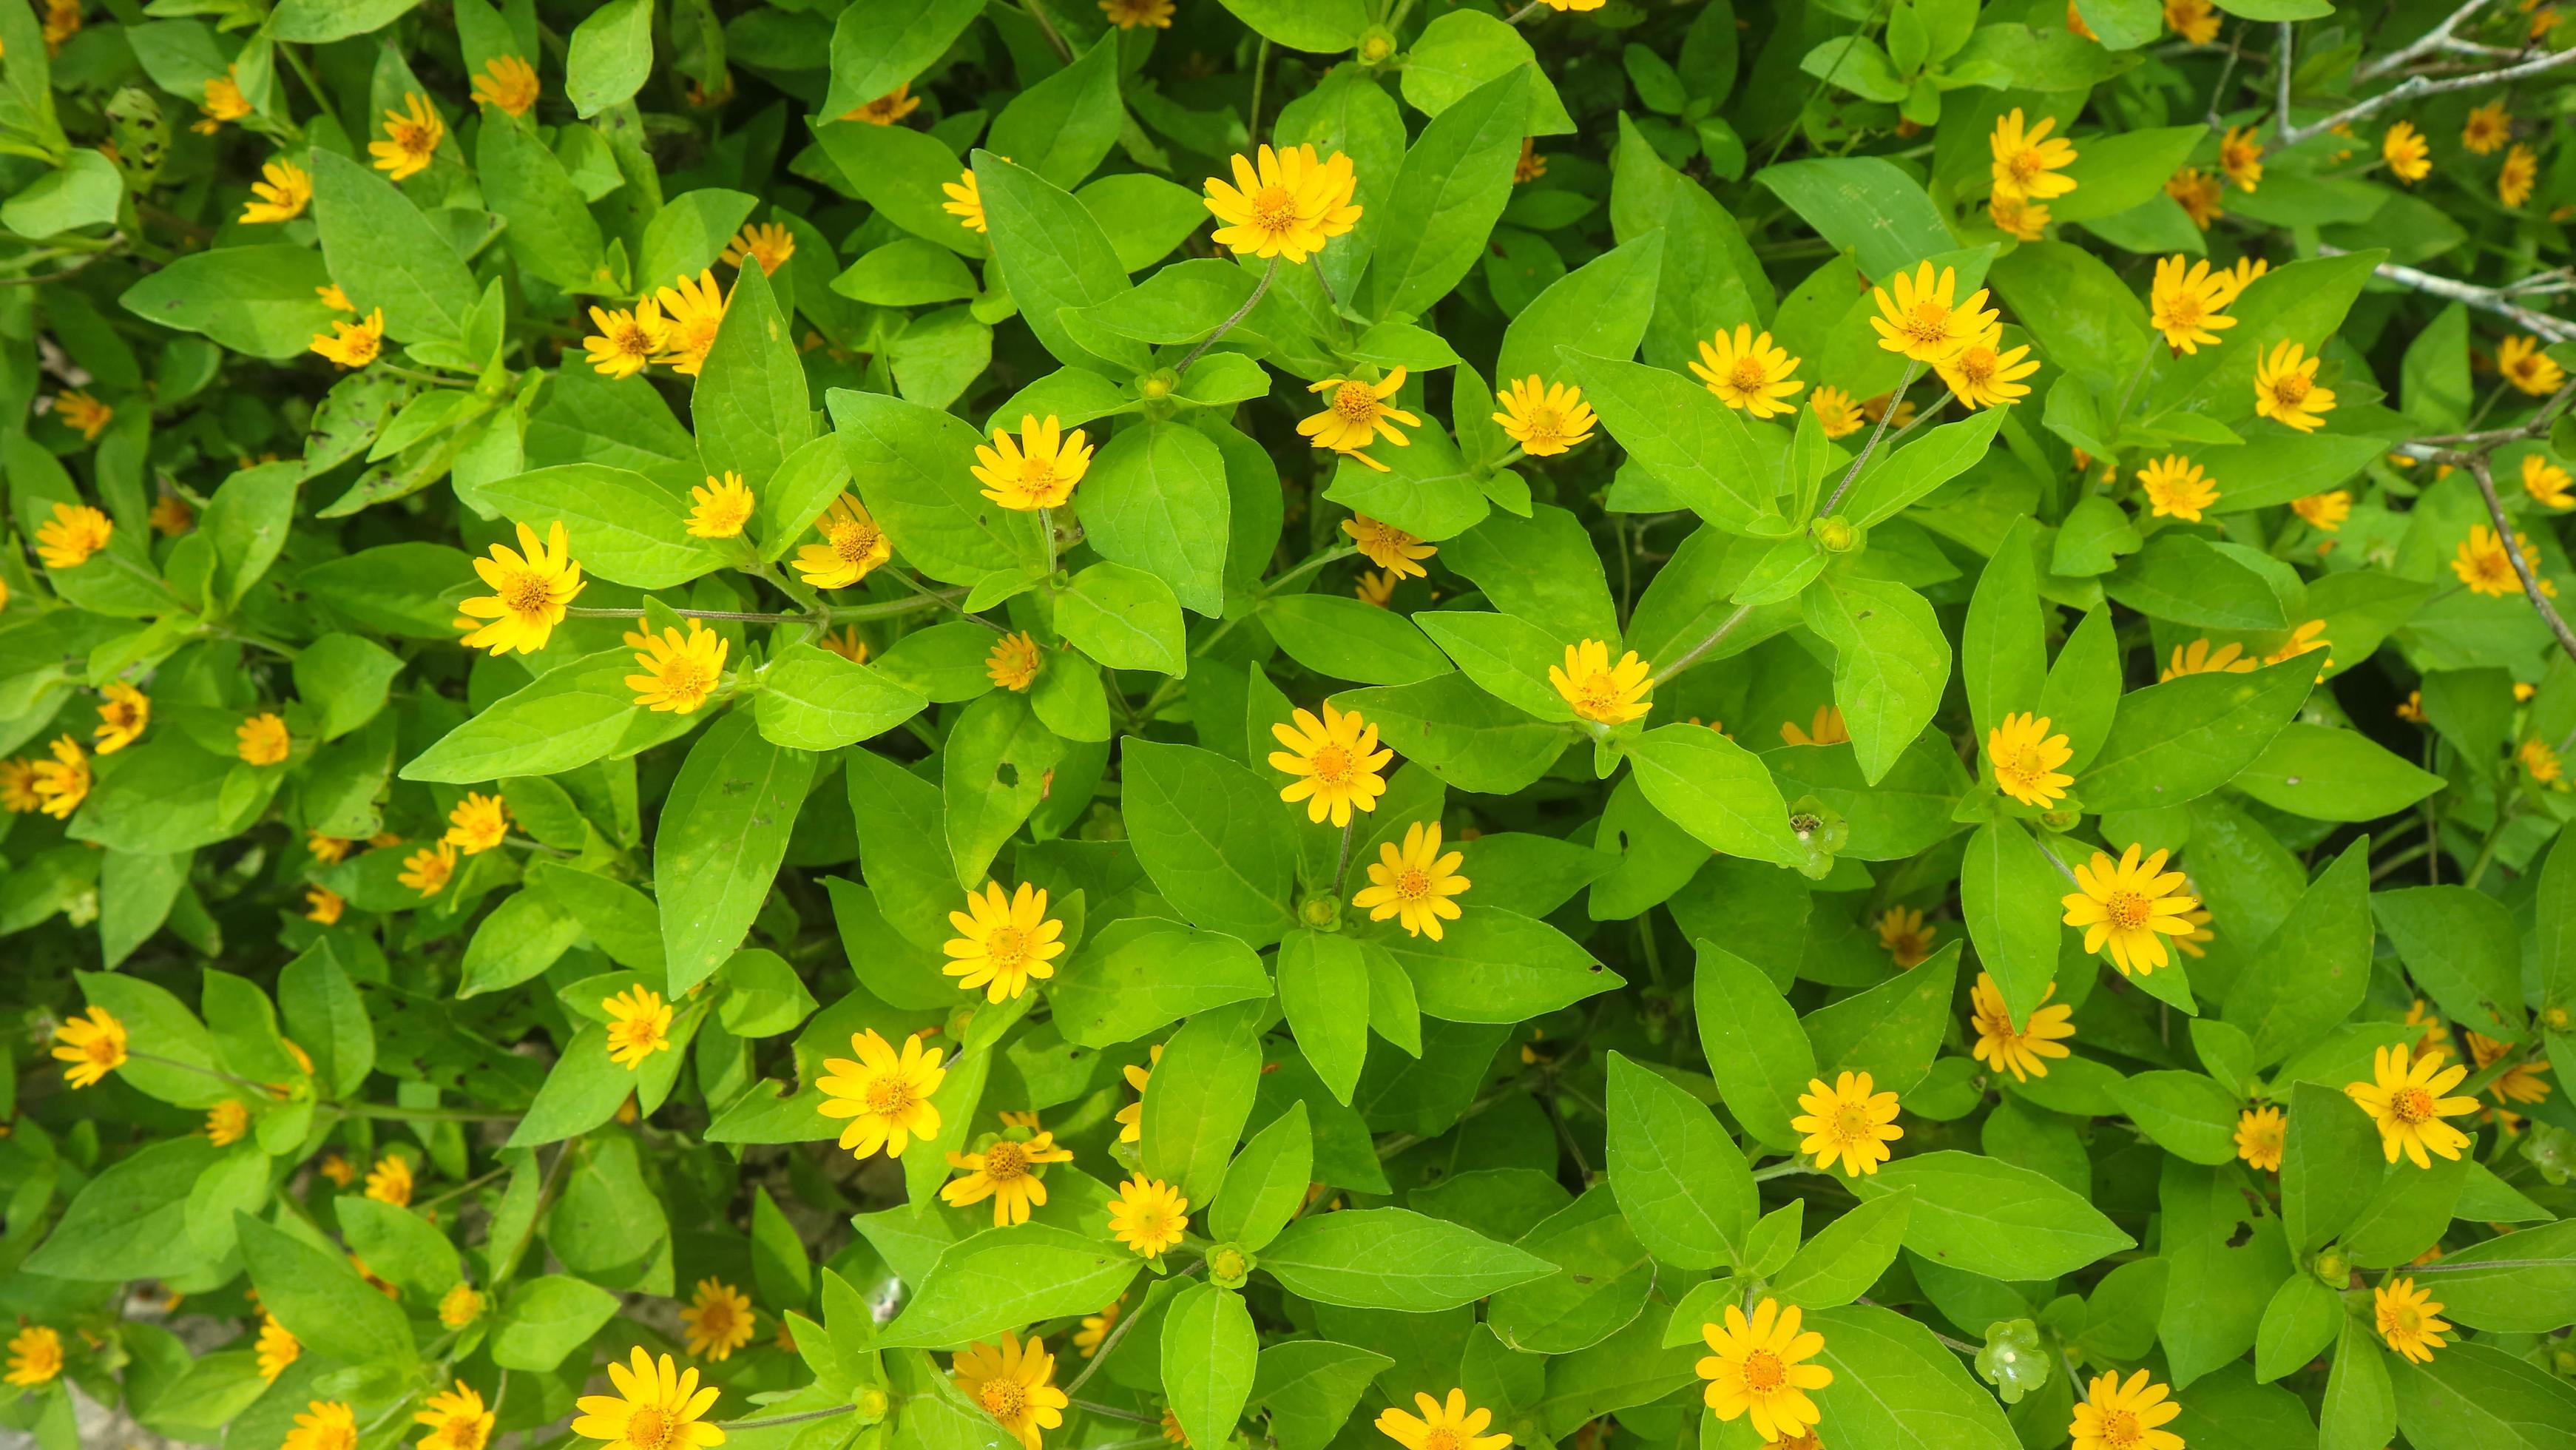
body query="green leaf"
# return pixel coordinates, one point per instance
(2317, 962)
(1006, 1278)
(1755, 1046)
(749, 405)
(1915, 470)
(1891, 1030)
(571, 715)
(2303, 302)
(1603, 1277)
(1394, 1258)
(1599, 309)
(611, 56)
(722, 836)
(1695, 447)
(2327, 1135)
(1847, 1255)
(1056, 257)
(1891, 662)
(1506, 656)
(813, 699)
(260, 300)
(1062, 127)
(1346, 639)
(1266, 1184)
(2187, 1114)
(2182, 739)
(2226, 1255)
(84, 192)
(1133, 976)
(1863, 202)
(1322, 26)
(317, 22)
(521, 937)
(1469, 739)
(321, 1300)
(1324, 990)
(2188, 580)
(551, 231)
(912, 465)
(2004, 655)
(1901, 1388)
(1451, 188)
(878, 47)
(1990, 1217)
(1156, 498)
(1199, 1099)
(2009, 891)
(2537, 1295)
(1493, 965)
(1124, 618)
(385, 254)
(1310, 1386)
(1214, 838)
(621, 526)
(2480, 1397)
(1716, 790)
(2300, 1323)
(1682, 1184)
(547, 1318)
(992, 776)
(1710, 280)
(2460, 946)
(2334, 775)
(1209, 1352)
(131, 1219)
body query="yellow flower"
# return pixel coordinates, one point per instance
(456, 1418)
(1129, 14)
(2286, 391)
(340, 1171)
(63, 782)
(460, 1306)
(2116, 1416)
(125, 711)
(1005, 1172)
(2259, 1135)
(1905, 937)
(2193, 20)
(1131, 1118)
(1600, 691)
(2028, 161)
(1835, 410)
(1285, 204)
(2521, 1082)
(1920, 321)
(695, 310)
(1827, 728)
(2075, 23)
(353, 344)
(846, 643)
(411, 139)
(639, 1025)
(1148, 1215)
(1544, 418)
(2199, 193)
(479, 823)
(262, 740)
(1531, 166)
(2003, 1047)
(2188, 302)
(2326, 512)
(1448, 1425)
(2405, 1099)
(83, 414)
(2523, 690)
(1747, 372)
(75, 532)
(18, 787)
(1013, 663)
(1002, 941)
(852, 546)
(1336, 761)
(2242, 275)
(1388, 547)
(2026, 759)
(62, 22)
(2305, 638)
(224, 102)
(2409, 158)
(324, 905)
(1173, 1434)
(428, 869)
(2018, 217)
(1759, 1365)
(2130, 905)
(1015, 1384)
(2405, 1317)
(2529, 369)
(886, 1097)
(2520, 173)
(965, 200)
(1375, 589)
(171, 515)
(226, 1121)
(2240, 155)
(1036, 470)
(1096, 1327)
(768, 243)
(335, 299)
(679, 673)
(283, 194)
(1981, 377)
(276, 1348)
(626, 341)
(2177, 488)
(1413, 885)
(2488, 128)
(717, 1321)
(658, 1406)
(1356, 415)
(2483, 564)
(723, 506)
(35, 1356)
(887, 109)
(325, 1425)
(530, 590)
(1847, 1122)
(508, 83)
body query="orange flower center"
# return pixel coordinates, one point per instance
(1355, 403)
(1274, 209)
(715, 1321)
(1763, 1372)
(2411, 1105)
(649, 1428)
(1443, 1438)
(1003, 1399)
(463, 1432)
(1008, 947)
(528, 593)
(100, 1050)
(2026, 164)
(1928, 322)
(1596, 695)
(1748, 374)
(416, 139)
(2184, 310)
(2121, 1428)
(1851, 1124)
(854, 540)
(1976, 366)
(1333, 765)
(686, 678)
(890, 1096)
(2128, 910)
(1005, 1161)
(1037, 476)
(1413, 884)
(2291, 389)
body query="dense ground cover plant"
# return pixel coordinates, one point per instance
(939, 724)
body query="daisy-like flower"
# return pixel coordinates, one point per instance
(461, 1305)
(1148, 1215)
(1002, 941)
(853, 546)
(411, 139)
(479, 823)
(1835, 410)
(428, 869)
(768, 243)
(335, 299)
(1826, 728)
(885, 110)
(1599, 691)
(275, 1348)
(2199, 194)
(2028, 162)
(2177, 488)
(723, 506)
(1336, 761)
(327, 850)
(2483, 564)
(2194, 20)
(223, 102)
(262, 740)
(1905, 937)
(91, 1046)
(2018, 217)
(2286, 391)
(1443, 1424)
(76, 531)
(2405, 1099)
(1748, 373)
(339, 1170)
(627, 340)
(658, 1406)
(2018, 1050)
(1375, 589)
(1759, 1366)
(1414, 884)
(2522, 363)
(965, 201)
(2325, 512)
(324, 905)
(2521, 1082)
(680, 672)
(846, 643)
(62, 22)
(83, 414)
(2116, 1416)
(2409, 156)
(456, 1419)
(2487, 129)
(639, 1025)
(2520, 173)
(2242, 275)
(1096, 1327)
(35, 1356)
(1847, 1122)
(530, 589)
(1036, 470)
(885, 1095)
(2306, 638)
(2131, 906)
(353, 344)
(18, 787)
(226, 1121)
(63, 782)
(171, 515)
(717, 1321)
(507, 83)
(1131, 1118)
(2188, 303)
(1014, 662)
(324, 1425)
(1130, 14)
(1356, 415)
(1980, 376)
(2027, 758)
(1917, 317)
(695, 309)
(124, 711)
(1388, 547)
(2240, 155)
(1284, 204)
(2260, 1131)
(390, 1181)
(284, 190)
(1015, 1384)
(1544, 418)
(2406, 1319)
(1007, 1173)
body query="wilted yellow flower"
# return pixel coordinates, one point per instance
(2487, 129)
(1356, 415)
(2409, 157)
(2521, 1082)
(1414, 884)
(63, 782)
(1531, 166)
(2019, 217)
(428, 869)
(626, 340)
(2028, 162)
(1747, 372)
(2522, 363)
(1131, 1118)
(1848, 1123)
(1600, 691)
(1013, 662)
(1014, 1384)
(324, 905)
(530, 590)
(509, 83)
(1002, 941)
(62, 22)
(1036, 470)
(1917, 317)
(680, 672)
(170, 515)
(1827, 728)
(1375, 588)
(262, 740)
(1148, 1215)
(887, 109)
(411, 139)
(1336, 761)
(852, 546)
(2177, 488)
(2286, 391)
(2199, 193)
(2197, 658)
(460, 1306)
(2129, 906)
(92, 1044)
(1284, 204)
(335, 299)
(885, 1096)
(226, 1121)
(2324, 511)
(2026, 758)
(694, 309)
(223, 102)
(123, 713)
(2306, 638)
(1544, 418)
(353, 344)
(846, 643)
(768, 243)
(283, 191)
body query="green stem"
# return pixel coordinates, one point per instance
(1258, 289)
(1895, 400)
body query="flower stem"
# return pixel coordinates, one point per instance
(1240, 313)
(1913, 370)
